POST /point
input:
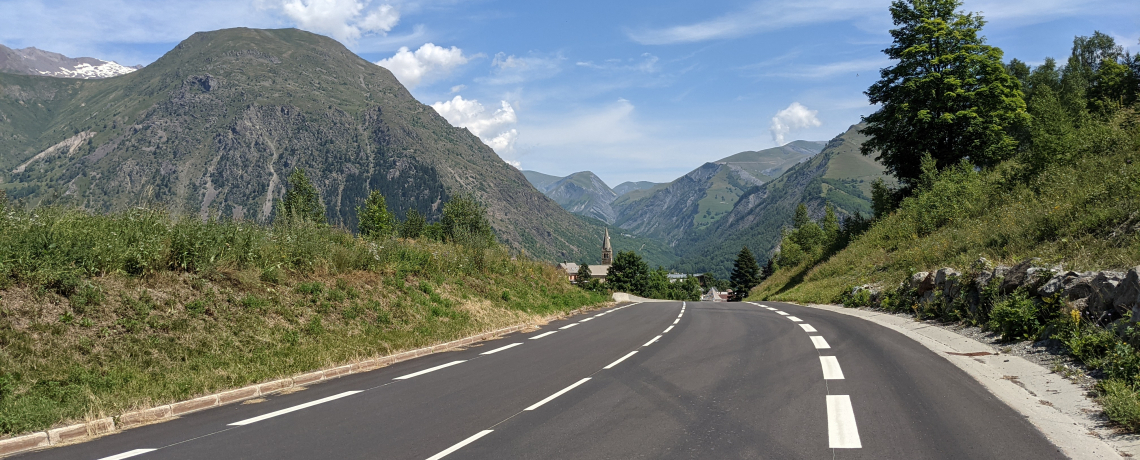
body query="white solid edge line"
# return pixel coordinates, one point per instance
(501, 349)
(831, 369)
(568, 326)
(819, 342)
(781, 313)
(667, 330)
(555, 395)
(436, 368)
(292, 409)
(793, 318)
(587, 319)
(808, 328)
(651, 341)
(128, 454)
(841, 430)
(462, 443)
(539, 336)
(615, 363)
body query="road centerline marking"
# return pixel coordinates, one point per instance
(500, 349)
(808, 328)
(781, 313)
(676, 320)
(819, 342)
(587, 319)
(539, 336)
(841, 430)
(433, 369)
(290, 409)
(651, 341)
(128, 454)
(667, 330)
(793, 318)
(460, 445)
(615, 363)
(568, 326)
(831, 369)
(555, 395)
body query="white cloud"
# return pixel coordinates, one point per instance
(494, 128)
(457, 88)
(426, 63)
(856, 66)
(517, 164)
(794, 117)
(344, 20)
(511, 69)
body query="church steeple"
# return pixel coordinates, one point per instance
(607, 251)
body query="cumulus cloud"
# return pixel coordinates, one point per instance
(344, 20)
(428, 62)
(494, 128)
(796, 116)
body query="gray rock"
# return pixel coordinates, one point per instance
(981, 264)
(982, 279)
(1000, 271)
(1104, 289)
(1051, 287)
(917, 279)
(1078, 287)
(1128, 292)
(1017, 276)
(942, 275)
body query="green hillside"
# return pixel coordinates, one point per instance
(214, 126)
(768, 164)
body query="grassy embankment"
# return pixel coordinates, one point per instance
(1084, 214)
(104, 314)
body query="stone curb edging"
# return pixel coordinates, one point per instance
(1052, 404)
(99, 427)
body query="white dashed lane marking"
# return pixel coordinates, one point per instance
(128, 454)
(539, 336)
(436, 368)
(667, 330)
(568, 326)
(808, 328)
(500, 349)
(291, 409)
(460, 445)
(651, 341)
(819, 342)
(793, 318)
(781, 313)
(831, 370)
(841, 430)
(623, 358)
(555, 395)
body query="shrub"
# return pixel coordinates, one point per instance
(1015, 317)
(1121, 402)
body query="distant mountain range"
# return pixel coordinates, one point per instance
(32, 61)
(744, 199)
(214, 127)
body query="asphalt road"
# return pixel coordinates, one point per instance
(652, 380)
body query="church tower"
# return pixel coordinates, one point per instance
(607, 251)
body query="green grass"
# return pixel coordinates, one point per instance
(103, 314)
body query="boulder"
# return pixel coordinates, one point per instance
(1104, 286)
(1051, 287)
(1078, 287)
(1128, 293)
(982, 279)
(981, 265)
(917, 279)
(1017, 276)
(946, 281)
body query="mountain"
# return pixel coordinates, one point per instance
(768, 164)
(32, 61)
(581, 193)
(839, 175)
(215, 126)
(699, 199)
(626, 187)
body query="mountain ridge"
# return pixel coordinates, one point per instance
(34, 61)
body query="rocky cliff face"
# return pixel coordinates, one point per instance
(214, 127)
(584, 194)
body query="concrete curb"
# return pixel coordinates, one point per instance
(1053, 404)
(86, 431)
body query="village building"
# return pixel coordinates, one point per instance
(597, 272)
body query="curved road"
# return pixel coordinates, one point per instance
(652, 380)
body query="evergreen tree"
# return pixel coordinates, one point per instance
(302, 202)
(948, 96)
(628, 273)
(745, 275)
(465, 221)
(413, 225)
(374, 219)
(584, 275)
(769, 269)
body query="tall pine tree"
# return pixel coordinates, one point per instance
(745, 275)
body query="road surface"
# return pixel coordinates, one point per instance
(695, 380)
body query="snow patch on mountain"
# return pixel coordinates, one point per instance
(107, 69)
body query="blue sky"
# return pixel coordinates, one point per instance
(632, 90)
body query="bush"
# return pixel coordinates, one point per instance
(1121, 402)
(1016, 317)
